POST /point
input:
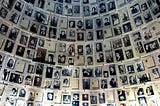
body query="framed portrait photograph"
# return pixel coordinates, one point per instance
(113, 82)
(155, 73)
(13, 33)
(104, 84)
(109, 57)
(28, 80)
(3, 12)
(93, 99)
(9, 45)
(20, 50)
(66, 99)
(19, 6)
(123, 80)
(133, 79)
(5, 74)
(135, 9)
(49, 72)
(121, 95)
(138, 21)
(102, 7)
(119, 55)
(37, 81)
(32, 42)
(117, 30)
(117, 43)
(122, 69)
(40, 56)
(115, 19)
(14, 17)
(4, 29)
(86, 84)
(85, 97)
(11, 62)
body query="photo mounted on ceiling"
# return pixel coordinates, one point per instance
(80, 24)
(117, 30)
(127, 27)
(126, 41)
(129, 54)
(102, 7)
(117, 43)
(14, 17)
(142, 101)
(8, 3)
(98, 22)
(70, 61)
(13, 33)
(61, 58)
(32, 42)
(87, 72)
(149, 90)
(63, 34)
(50, 59)
(43, 30)
(41, 42)
(30, 53)
(121, 95)
(90, 35)
(4, 29)
(111, 5)
(89, 23)
(34, 27)
(50, 96)
(99, 34)
(16, 78)
(137, 36)
(113, 82)
(93, 99)
(107, 21)
(90, 60)
(61, 47)
(65, 82)
(144, 6)
(112, 70)
(80, 49)
(85, 1)
(20, 50)
(56, 84)
(154, 6)
(59, 8)
(119, 55)
(31, 68)
(133, 79)
(155, 73)
(130, 69)
(52, 33)
(30, 1)
(6, 74)
(22, 93)
(80, 36)
(125, 16)
(3, 12)
(98, 72)
(23, 39)
(115, 19)
(10, 101)
(140, 47)
(123, 80)
(24, 22)
(28, 10)
(9, 46)
(54, 21)
(28, 80)
(151, 46)
(72, 24)
(138, 21)
(39, 69)
(49, 72)
(66, 72)
(98, 47)
(37, 81)
(135, 9)
(89, 49)
(86, 11)
(41, 3)
(40, 56)
(147, 16)
(101, 97)
(40, 17)
(139, 66)
(76, 10)
(94, 9)
(71, 50)
(19, 6)
(66, 99)
(86, 84)
(100, 57)
(121, 69)
(109, 56)
(68, 10)
(145, 77)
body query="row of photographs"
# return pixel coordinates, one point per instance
(76, 9)
(92, 53)
(27, 96)
(137, 71)
(37, 22)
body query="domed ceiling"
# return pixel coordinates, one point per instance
(79, 52)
